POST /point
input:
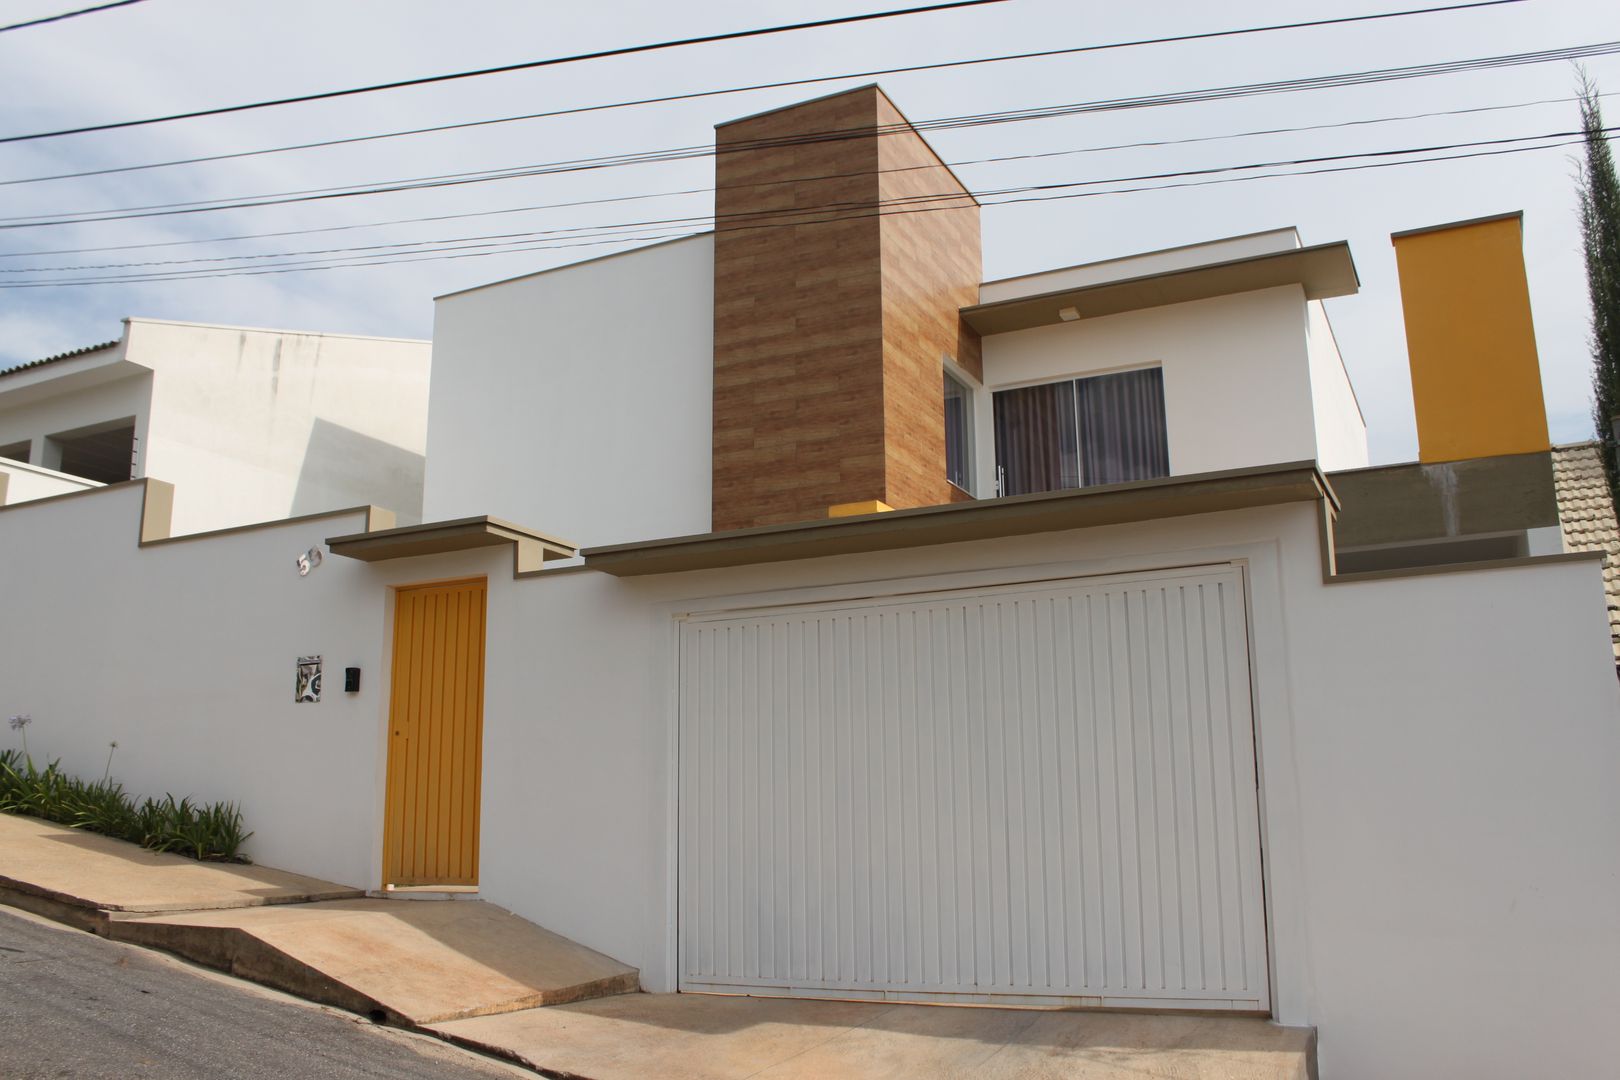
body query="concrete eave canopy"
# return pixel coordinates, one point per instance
(984, 519)
(463, 534)
(1323, 271)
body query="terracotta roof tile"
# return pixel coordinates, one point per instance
(59, 356)
(1586, 513)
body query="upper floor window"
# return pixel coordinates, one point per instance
(958, 431)
(1107, 429)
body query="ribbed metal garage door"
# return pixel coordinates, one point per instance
(1038, 794)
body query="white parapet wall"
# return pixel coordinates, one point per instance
(1440, 825)
(579, 398)
(22, 482)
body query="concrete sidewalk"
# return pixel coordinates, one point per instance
(483, 978)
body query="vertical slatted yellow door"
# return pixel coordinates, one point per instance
(435, 735)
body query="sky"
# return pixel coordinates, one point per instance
(159, 57)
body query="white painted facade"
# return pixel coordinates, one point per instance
(1237, 381)
(249, 425)
(1250, 378)
(1415, 906)
(579, 397)
(1341, 429)
(589, 439)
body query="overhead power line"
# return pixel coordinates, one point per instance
(574, 204)
(68, 15)
(693, 152)
(782, 84)
(826, 213)
(527, 65)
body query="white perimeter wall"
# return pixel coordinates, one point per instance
(1437, 754)
(1341, 431)
(1237, 382)
(1456, 744)
(24, 482)
(256, 425)
(184, 653)
(579, 400)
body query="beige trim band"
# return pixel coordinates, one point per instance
(530, 548)
(1463, 224)
(984, 519)
(1323, 271)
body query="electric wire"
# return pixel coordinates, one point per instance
(1009, 196)
(506, 211)
(527, 65)
(68, 15)
(693, 95)
(693, 152)
(695, 191)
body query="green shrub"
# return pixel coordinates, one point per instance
(211, 831)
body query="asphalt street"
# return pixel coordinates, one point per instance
(75, 1005)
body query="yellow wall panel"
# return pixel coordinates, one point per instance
(1476, 380)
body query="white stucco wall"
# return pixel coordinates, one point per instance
(1441, 826)
(254, 425)
(579, 400)
(1341, 430)
(1237, 388)
(24, 482)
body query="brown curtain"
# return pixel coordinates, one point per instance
(1122, 433)
(1036, 438)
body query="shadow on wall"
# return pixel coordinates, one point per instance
(344, 468)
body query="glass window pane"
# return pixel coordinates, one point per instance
(958, 445)
(1122, 427)
(1036, 441)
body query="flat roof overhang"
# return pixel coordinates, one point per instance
(530, 548)
(1323, 271)
(985, 519)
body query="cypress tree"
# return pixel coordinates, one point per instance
(1600, 241)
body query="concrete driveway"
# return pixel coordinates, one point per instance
(691, 1036)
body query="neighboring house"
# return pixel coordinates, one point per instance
(250, 425)
(1201, 713)
(1586, 513)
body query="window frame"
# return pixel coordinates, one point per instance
(952, 372)
(1072, 381)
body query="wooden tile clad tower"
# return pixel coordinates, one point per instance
(831, 315)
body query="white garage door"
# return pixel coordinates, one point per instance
(1039, 794)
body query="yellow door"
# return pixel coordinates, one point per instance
(435, 735)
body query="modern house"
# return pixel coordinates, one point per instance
(250, 425)
(795, 613)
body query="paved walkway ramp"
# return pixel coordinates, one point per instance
(409, 961)
(693, 1036)
(415, 961)
(79, 876)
